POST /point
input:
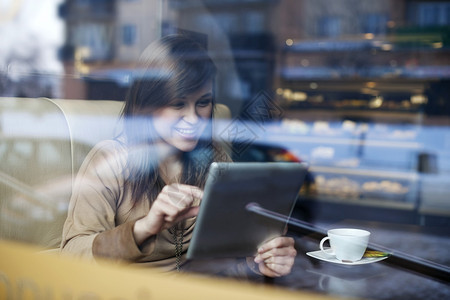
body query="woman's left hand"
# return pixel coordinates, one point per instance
(276, 257)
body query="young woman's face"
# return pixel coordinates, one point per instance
(182, 122)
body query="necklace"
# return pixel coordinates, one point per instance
(176, 230)
(177, 234)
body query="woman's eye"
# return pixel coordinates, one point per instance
(177, 105)
(204, 103)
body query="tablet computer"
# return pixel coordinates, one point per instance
(225, 227)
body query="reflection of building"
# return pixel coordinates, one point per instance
(246, 27)
(138, 24)
(90, 28)
(111, 31)
(388, 55)
(106, 34)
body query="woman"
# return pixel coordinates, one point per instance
(136, 197)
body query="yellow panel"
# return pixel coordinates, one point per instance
(26, 274)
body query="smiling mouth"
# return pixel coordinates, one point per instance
(188, 133)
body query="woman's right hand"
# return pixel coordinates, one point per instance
(174, 203)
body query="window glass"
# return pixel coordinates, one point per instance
(375, 23)
(434, 13)
(329, 26)
(358, 90)
(128, 34)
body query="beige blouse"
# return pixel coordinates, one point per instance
(101, 214)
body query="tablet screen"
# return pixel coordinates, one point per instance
(225, 227)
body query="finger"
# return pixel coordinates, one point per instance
(170, 212)
(186, 189)
(274, 270)
(190, 189)
(266, 270)
(279, 260)
(163, 207)
(285, 251)
(279, 265)
(183, 195)
(276, 252)
(169, 199)
(191, 212)
(163, 211)
(177, 199)
(193, 193)
(278, 242)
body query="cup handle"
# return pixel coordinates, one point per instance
(321, 246)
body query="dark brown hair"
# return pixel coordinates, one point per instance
(172, 67)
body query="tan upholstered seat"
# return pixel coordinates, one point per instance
(42, 145)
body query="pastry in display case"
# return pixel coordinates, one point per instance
(335, 187)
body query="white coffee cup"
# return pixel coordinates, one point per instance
(347, 244)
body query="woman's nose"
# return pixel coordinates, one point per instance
(191, 115)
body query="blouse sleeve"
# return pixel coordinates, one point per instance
(90, 229)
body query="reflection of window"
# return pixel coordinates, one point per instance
(433, 13)
(128, 34)
(254, 21)
(229, 22)
(375, 23)
(94, 36)
(329, 26)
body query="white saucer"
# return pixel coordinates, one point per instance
(331, 258)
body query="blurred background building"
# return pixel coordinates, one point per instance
(388, 55)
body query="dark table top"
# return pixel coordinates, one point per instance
(417, 269)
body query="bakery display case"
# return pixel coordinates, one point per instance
(378, 165)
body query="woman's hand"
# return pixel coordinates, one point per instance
(276, 257)
(174, 203)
